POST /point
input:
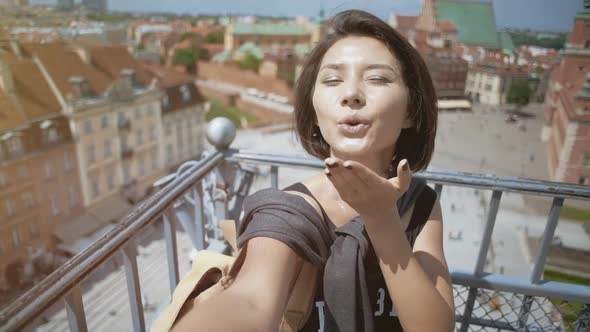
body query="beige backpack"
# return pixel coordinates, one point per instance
(212, 272)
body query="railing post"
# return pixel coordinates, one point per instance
(540, 258)
(220, 211)
(274, 176)
(133, 288)
(481, 258)
(198, 214)
(171, 250)
(545, 245)
(75, 310)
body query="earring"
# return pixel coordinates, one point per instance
(316, 130)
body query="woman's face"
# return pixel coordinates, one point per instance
(360, 98)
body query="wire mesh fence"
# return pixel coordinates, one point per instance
(504, 311)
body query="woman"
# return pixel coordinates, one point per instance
(365, 104)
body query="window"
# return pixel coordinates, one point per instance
(168, 129)
(16, 239)
(54, 204)
(185, 92)
(3, 180)
(28, 199)
(139, 137)
(68, 161)
(33, 230)
(15, 145)
(90, 156)
(105, 121)
(23, 172)
(111, 180)
(152, 132)
(141, 166)
(72, 197)
(52, 135)
(154, 161)
(138, 113)
(169, 154)
(150, 109)
(48, 169)
(165, 101)
(88, 126)
(582, 180)
(107, 148)
(126, 174)
(10, 209)
(586, 159)
(95, 188)
(581, 68)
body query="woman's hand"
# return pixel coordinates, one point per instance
(369, 194)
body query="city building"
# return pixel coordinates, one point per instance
(113, 108)
(39, 175)
(65, 4)
(474, 21)
(183, 116)
(489, 81)
(98, 6)
(266, 36)
(567, 108)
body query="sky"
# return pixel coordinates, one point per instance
(544, 15)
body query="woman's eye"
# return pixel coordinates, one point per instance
(332, 81)
(378, 79)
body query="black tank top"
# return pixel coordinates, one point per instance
(384, 313)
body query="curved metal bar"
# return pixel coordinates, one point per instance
(25, 309)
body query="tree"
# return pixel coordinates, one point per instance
(215, 37)
(519, 93)
(250, 61)
(189, 57)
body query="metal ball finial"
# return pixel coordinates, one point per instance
(221, 133)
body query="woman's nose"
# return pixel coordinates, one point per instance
(353, 97)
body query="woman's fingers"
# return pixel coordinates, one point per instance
(404, 176)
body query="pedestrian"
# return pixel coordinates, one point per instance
(366, 105)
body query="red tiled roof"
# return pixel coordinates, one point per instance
(447, 26)
(31, 97)
(168, 77)
(62, 62)
(112, 59)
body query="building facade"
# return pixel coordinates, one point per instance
(489, 81)
(567, 108)
(266, 36)
(39, 175)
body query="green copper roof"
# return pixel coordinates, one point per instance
(250, 48)
(268, 29)
(506, 42)
(474, 20)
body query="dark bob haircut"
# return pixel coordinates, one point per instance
(416, 143)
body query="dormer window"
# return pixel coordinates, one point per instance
(80, 87)
(50, 133)
(165, 101)
(14, 143)
(186, 93)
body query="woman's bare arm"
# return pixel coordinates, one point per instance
(256, 299)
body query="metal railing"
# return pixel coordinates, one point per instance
(528, 304)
